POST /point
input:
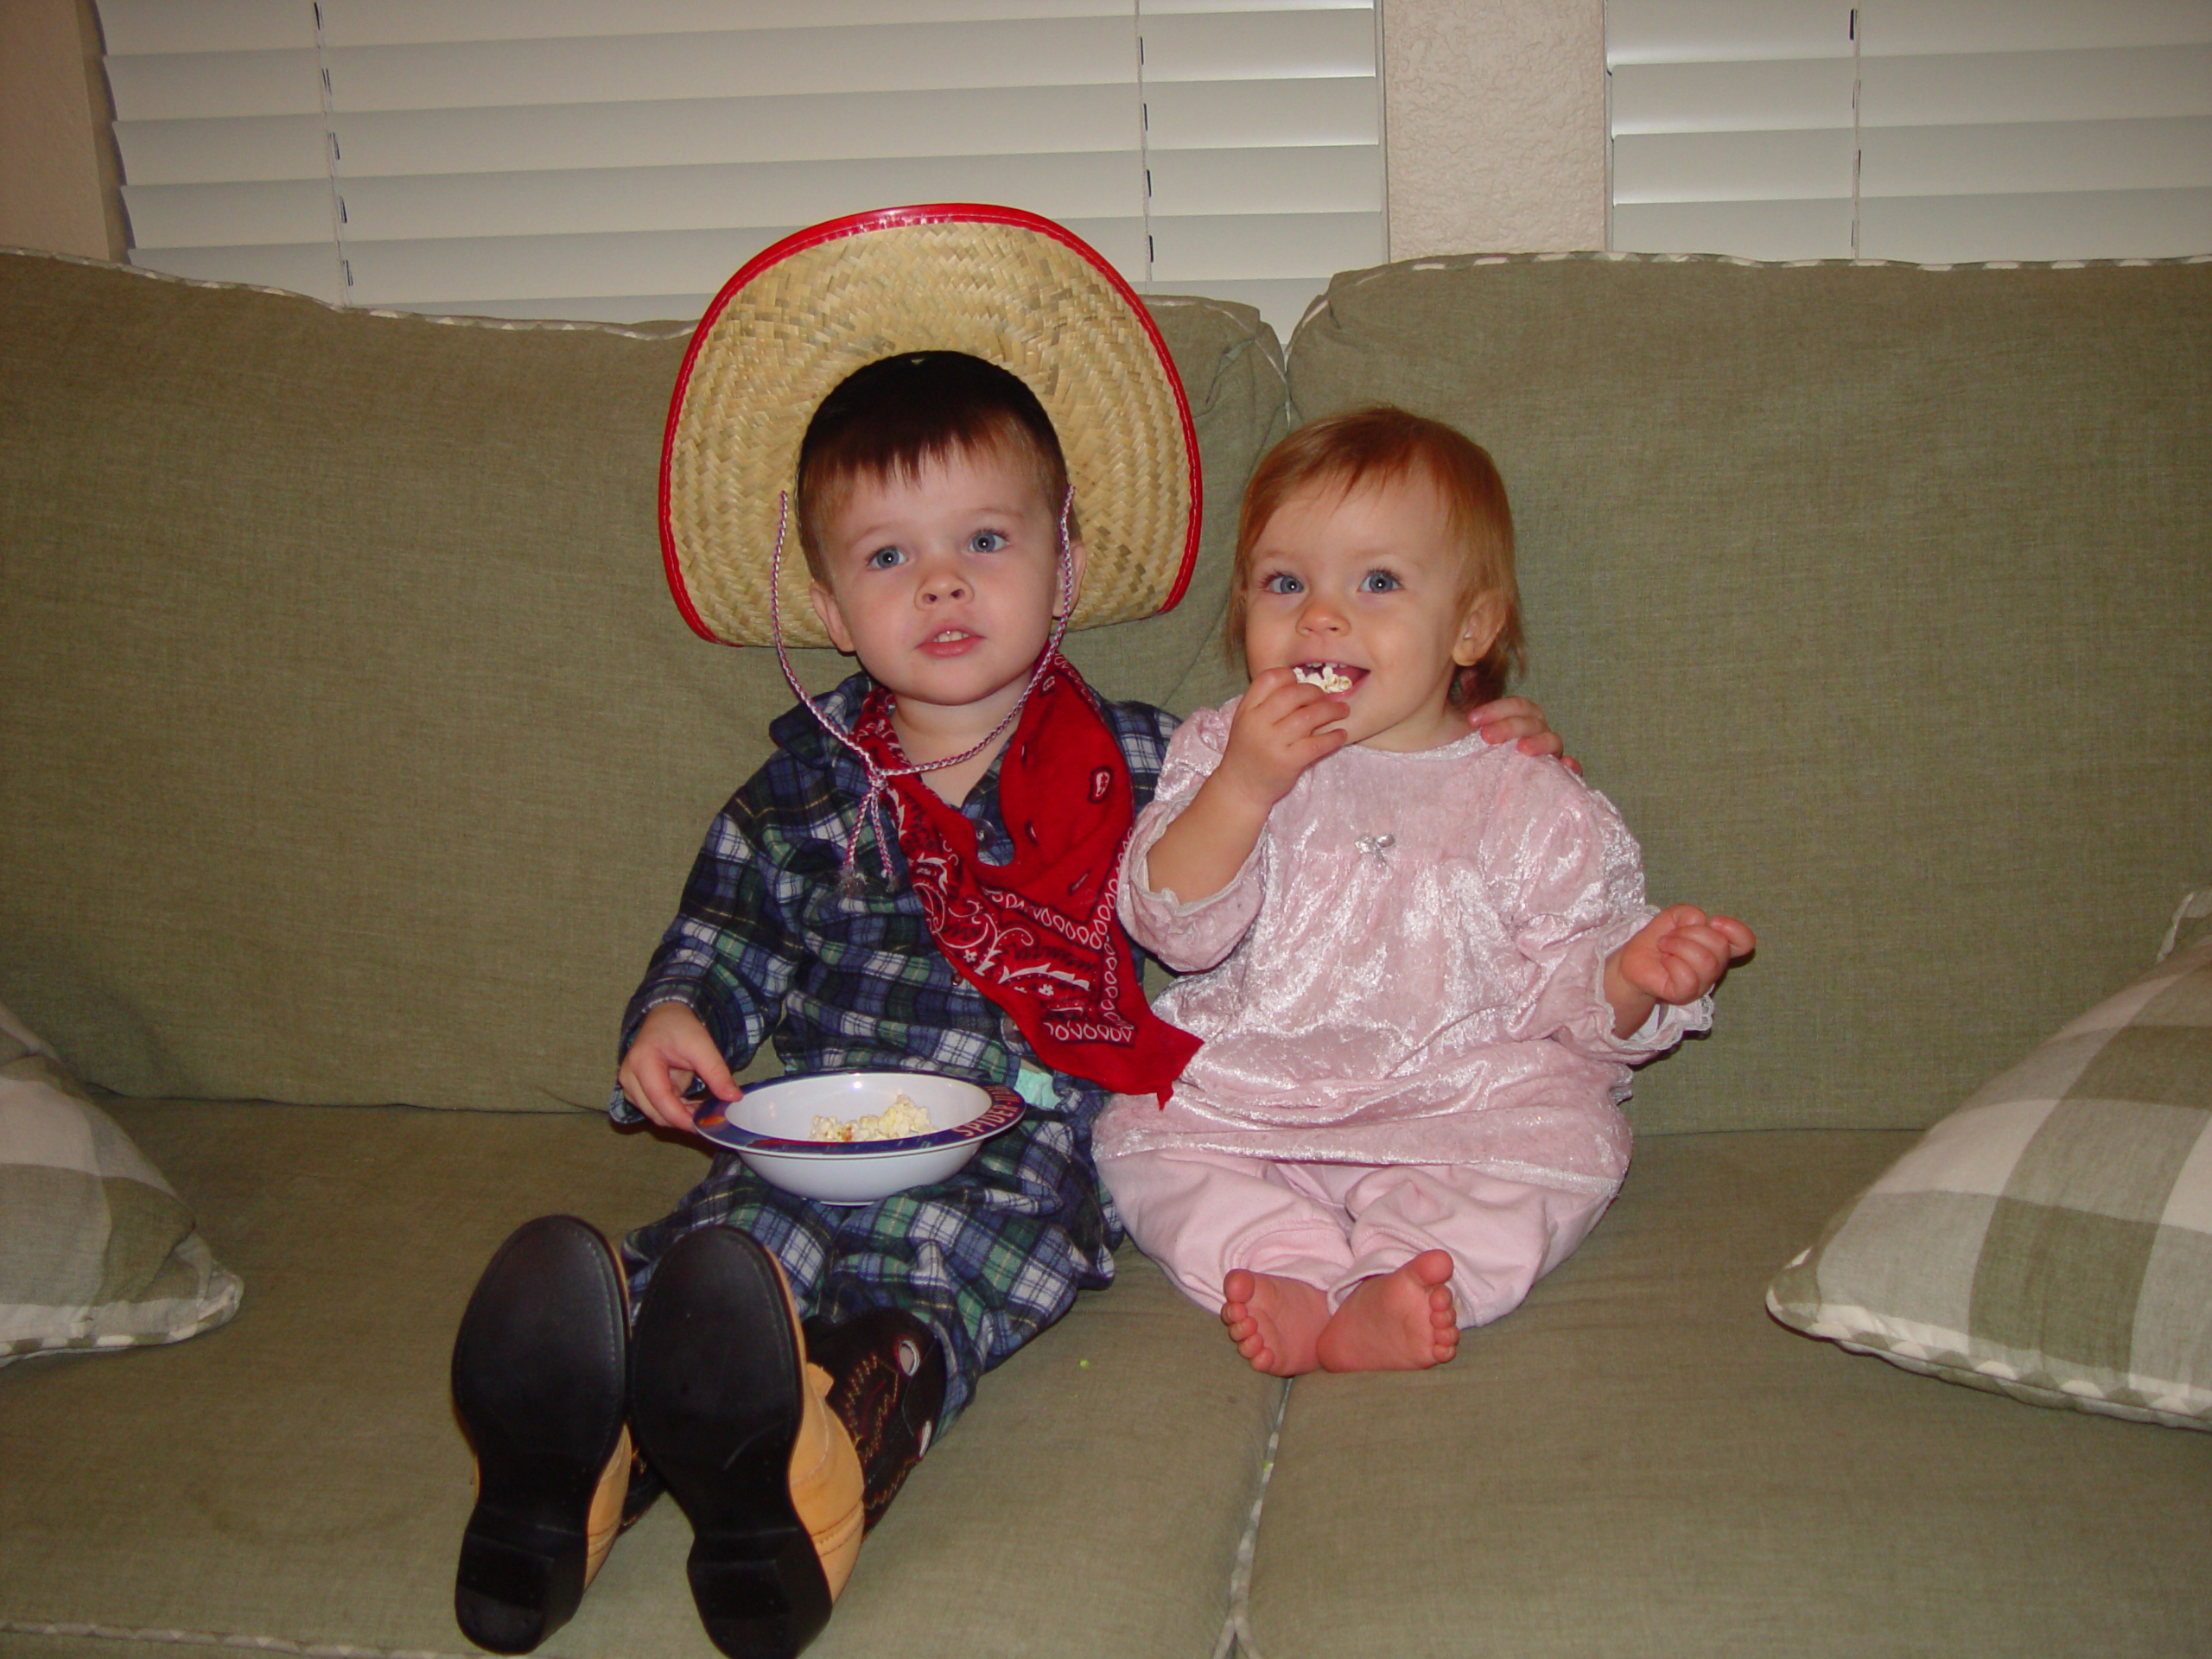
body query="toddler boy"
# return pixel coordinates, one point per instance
(921, 877)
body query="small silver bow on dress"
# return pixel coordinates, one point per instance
(1376, 846)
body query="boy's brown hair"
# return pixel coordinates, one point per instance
(900, 414)
(1382, 445)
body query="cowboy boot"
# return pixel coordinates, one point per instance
(887, 1387)
(539, 1374)
(730, 1414)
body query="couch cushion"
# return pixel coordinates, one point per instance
(2052, 1238)
(1639, 1461)
(355, 750)
(1876, 599)
(297, 1477)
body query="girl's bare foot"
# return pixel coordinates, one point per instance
(1402, 1320)
(1273, 1321)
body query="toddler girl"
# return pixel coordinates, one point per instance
(1420, 965)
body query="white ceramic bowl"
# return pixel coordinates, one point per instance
(772, 1129)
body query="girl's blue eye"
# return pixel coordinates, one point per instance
(885, 558)
(986, 541)
(1377, 581)
(1281, 582)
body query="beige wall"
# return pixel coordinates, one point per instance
(56, 167)
(1497, 125)
(1495, 112)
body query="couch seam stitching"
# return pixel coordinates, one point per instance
(82, 1630)
(1236, 1634)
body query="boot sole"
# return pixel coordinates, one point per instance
(716, 1393)
(538, 1374)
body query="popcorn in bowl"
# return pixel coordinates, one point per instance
(1327, 675)
(853, 1137)
(896, 1122)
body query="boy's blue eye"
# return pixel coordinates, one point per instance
(1281, 582)
(1377, 581)
(986, 541)
(885, 558)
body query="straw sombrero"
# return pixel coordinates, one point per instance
(1000, 284)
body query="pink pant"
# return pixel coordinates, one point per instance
(1199, 1214)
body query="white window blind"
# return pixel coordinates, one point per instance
(618, 159)
(1934, 130)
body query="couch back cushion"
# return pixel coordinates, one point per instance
(1880, 599)
(354, 750)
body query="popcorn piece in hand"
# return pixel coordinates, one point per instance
(896, 1122)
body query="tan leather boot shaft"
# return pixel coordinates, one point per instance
(604, 1522)
(826, 1486)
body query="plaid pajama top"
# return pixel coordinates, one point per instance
(764, 948)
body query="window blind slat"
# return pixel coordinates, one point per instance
(1749, 229)
(1715, 31)
(1926, 27)
(457, 271)
(131, 27)
(221, 85)
(2130, 84)
(1731, 167)
(1340, 179)
(261, 211)
(700, 130)
(2067, 156)
(161, 26)
(420, 22)
(1209, 248)
(753, 64)
(1205, 115)
(1766, 96)
(750, 63)
(610, 200)
(1724, 31)
(250, 149)
(1288, 46)
(1193, 7)
(2148, 223)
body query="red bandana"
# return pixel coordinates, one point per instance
(1036, 934)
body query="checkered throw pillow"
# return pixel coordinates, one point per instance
(2052, 1238)
(95, 1250)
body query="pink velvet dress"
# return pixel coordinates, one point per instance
(1408, 970)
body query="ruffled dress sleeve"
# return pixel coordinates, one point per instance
(1189, 938)
(1569, 885)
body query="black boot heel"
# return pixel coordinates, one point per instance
(513, 1592)
(716, 1397)
(538, 1377)
(744, 1584)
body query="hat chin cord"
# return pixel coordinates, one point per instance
(850, 882)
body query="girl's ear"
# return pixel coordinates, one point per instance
(833, 620)
(1078, 560)
(1486, 619)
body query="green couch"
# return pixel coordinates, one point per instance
(353, 756)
